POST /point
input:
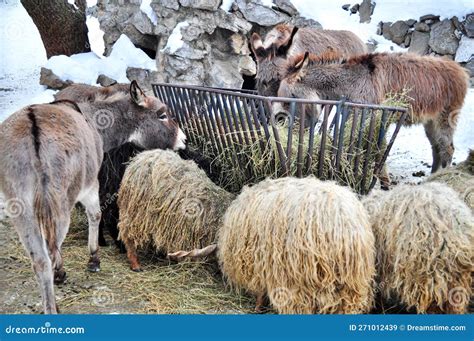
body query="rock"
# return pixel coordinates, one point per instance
(286, 6)
(379, 28)
(410, 22)
(457, 23)
(469, 25)
(419, 174)
(247, 66)
(442, 38)
(144, 77)
(346, 7)
(354, 9)
(422, 27)
(386, 30)
(105, 80)
(49, 79)
(371, 45)
(430, 17)
(396, 32)
(366, 9)
(407, 40)
(260, 14)
(419, 43)
(470, 67)
(303, 22)
(139, 39)
(465, 51)
(209, 5)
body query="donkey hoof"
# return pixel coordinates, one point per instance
(93, 265)
(137, 269)
(59, 276)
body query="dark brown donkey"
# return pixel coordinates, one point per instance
(50, 155)
(285, 41)
(435, 88)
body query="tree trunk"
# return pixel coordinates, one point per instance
(62, 26)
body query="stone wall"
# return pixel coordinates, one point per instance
(215, 49)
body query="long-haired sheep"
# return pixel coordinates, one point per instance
(459, 178)
(305, 243)
(424, 240)
(168, 202)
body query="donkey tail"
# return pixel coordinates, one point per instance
(46, 210)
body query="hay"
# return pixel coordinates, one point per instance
(424, 238)
(459, 178)
(170, 203)
(305, 243)
(260, 158)
(163, 288)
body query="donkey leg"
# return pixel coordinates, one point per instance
(59, 272)
(92, 204)
(444, 137)
(430, 130)
(35, 246)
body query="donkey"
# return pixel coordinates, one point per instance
(115, 160)
(51, 155)
(285, 41)
(436, 88)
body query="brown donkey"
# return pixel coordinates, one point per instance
(285, 41)
(436, 88)
(50, 155)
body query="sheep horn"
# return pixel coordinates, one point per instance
(194, 254)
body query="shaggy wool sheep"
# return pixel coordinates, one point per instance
(459, 178)
(168, 202)
(424, 241)
(305, 243)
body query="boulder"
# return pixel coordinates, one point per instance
(465, 51)
(429, 18)
(303, 22)
(366, 9)
(410, 22)
(442, 38)
(262, 15)
(247, 66)
(470, 67)
(285, 6)
(469, 25)
(354, 9)
(422, 27)
(209, 5)
(105, 80)
(346, 7)
(396, 32)
(50, 80)
(419, 43)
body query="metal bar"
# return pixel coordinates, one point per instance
(368, 151)
(289, 144)
(214, 125)
(243, 121)
(203, 106)
(359, 141)
(183, 113)
(312, 126)
(322, 150)
(355, 116)
(299, 158)
(276, 136)
(341, 137)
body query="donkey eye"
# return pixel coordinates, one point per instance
(163, 116)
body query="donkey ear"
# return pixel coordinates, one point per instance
(303, 63)
(138, 96)
(285, 47)
(257, 47)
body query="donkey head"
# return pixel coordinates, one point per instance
(156, 128)
(271, 61)
(294, 84)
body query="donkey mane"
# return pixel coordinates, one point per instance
(330, 56)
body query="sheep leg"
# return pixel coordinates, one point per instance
(132, 257)
(261, 303)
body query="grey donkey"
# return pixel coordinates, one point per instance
(50, 155)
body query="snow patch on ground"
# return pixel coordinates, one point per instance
(175, 40)
(268, 3)
(71, 2)
(86, 67)
(91, 3)
(95, 35)
(146, 8)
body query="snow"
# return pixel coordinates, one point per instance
(91, 3)
(268, 3)
(86, 67)
(175, 40)
(72, 3)
(226, 5)
(331, 15)
(96, 35)
(146, 8)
